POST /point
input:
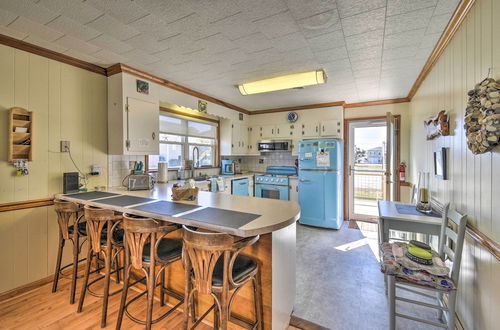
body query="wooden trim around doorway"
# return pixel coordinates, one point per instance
(346, 163)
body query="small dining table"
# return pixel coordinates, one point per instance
(391, 219)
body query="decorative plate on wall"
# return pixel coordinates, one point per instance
(292, 117)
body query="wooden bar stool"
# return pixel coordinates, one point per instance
(68, 219)
(146, 248)
(106, 239)
(214, 266)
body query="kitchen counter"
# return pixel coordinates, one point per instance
(273, 219)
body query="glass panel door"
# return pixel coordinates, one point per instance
(366, 168)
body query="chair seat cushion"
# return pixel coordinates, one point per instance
(82, 229)
(390, 266)
(167, 249)
(243, 266)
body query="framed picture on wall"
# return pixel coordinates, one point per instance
(142, 87)
(441, 164)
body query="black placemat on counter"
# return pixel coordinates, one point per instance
(91, 195)
(221, 217)
(165, 207)
(411, 209)
(125, 200)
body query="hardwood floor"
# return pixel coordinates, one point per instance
(42, 309)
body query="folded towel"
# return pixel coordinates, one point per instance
(220, 184)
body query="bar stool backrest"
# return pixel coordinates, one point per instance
(141, 230)
(202, 250)
(96, 219)
(66, 215)
(452, 237)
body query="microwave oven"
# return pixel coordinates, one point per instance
(268, 146)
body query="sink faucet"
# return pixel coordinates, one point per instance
(197, 163)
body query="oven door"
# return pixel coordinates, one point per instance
(272, 191)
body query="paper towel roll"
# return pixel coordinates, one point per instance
(162, 172)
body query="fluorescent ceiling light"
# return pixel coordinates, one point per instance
(284, 82)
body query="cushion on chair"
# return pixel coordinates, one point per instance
(167, 249)
(82, 229)
(243, 265)
(390, 266)
(117, 236)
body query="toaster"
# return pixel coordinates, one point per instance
(140, 182)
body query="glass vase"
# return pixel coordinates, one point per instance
(424, 194)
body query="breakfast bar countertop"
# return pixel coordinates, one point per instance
(236, 215)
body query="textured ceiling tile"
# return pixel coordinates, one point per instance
(215, 11)
(257, 9)
(401, 52)
(6, 17)
(430, 40)
(74, 9)
(111, 44)
(253, 42)
(289, 42)
(354, 7)
(366, 73)
(332, 54)
(109, 57)
(73, 28)
(423, 52)
(113, 27)
(396, 7)
(438, 23)
(145, 42)
(28, 9)
(370, 63)
(125, 11)
(76, 44)
(327, 41)
(141, 57)
(154, 26)
(369, 21)
(215, 43)
(235, 27)
(12, 33)
(84, 57)
(365, 40)
(409, 21)
(277, 25)
(399, 63)
(446, 6)
(32, 28)
(338, 65)
(402, 39)
(46, 44)
(306, 8)
(366, 53)
(322, 23)
(169, 11)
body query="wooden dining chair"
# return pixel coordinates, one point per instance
(69, 218)
(106, 240)
(147, 249)
(450, 248)
(214, 266)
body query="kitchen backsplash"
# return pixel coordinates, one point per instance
(259, 163)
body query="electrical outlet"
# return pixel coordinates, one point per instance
(65, 146)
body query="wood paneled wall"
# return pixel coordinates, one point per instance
(69, 104)
(474, 184)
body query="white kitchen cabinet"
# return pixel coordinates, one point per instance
(234, 138)
(285, 131)
(140, 121)
(250, 187)
(330, 128)
(295, 146)
(294, 189)
(310, 129)
(254, 136)
(268, 131)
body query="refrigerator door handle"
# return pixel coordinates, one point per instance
(303, 180)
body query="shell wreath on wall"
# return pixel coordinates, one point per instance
(482, 117)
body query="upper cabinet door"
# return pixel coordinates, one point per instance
(268, 131)
(254, 138)
(284, 131)
(330, 128)
(310, 129)
(143, 126)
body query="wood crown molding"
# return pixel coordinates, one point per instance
(117, 68)
(453, 25)
(50, 54)
(26, 204)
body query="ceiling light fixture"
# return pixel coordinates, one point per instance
(283, 82)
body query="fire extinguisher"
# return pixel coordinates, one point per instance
(402, 172)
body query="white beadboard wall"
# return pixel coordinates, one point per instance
(474, 184)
